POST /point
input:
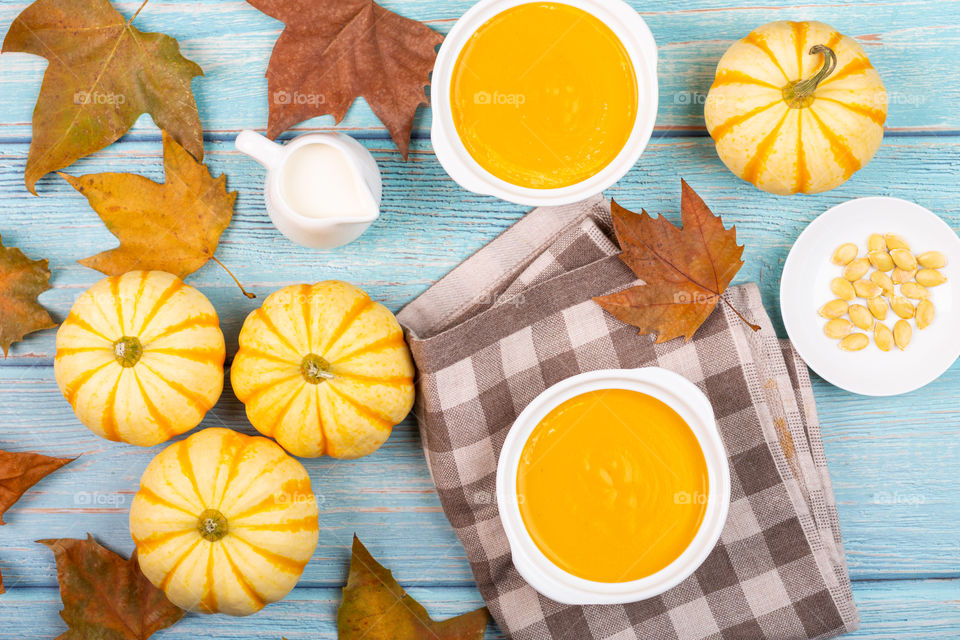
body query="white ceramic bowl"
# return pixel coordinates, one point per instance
(692, 405)
(805, 287)
(637, 39)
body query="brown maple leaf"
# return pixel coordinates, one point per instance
(20, 471)
(334, 51)
(103, 74)
(375, 607)
(173, 227)
(21, 281)
(685, 270)
(105, 596)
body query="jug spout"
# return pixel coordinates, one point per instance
(258, 147)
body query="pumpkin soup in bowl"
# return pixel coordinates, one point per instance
(627, 469)
(541, 102)
(544, 95)
(613, 486)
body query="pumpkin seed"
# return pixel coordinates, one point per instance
(925, 314)
(855, 342)
(930, 277)
(881, 260)
(842, 288)
(902, 307)
(901, 276)
(834, 309)
(904, 259)
(914, 290)
(856, 269)
(838, 328)
(867, 289)
(896, 242)
(861, 316)
(883, 336)
(845, 254)
(876, 243)
(883, 281)
(932, 260)
(902, 334)
(878, 307)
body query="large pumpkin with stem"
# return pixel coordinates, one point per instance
(324, 370)
(140, 357)
(224, 522)
(796, 107)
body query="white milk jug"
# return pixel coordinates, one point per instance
(322, 190)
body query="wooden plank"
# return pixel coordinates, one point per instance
(881, 451)
(232, 41)
(898, 610)
(883, 455)
(429, 224)
(386, 498)
(306, 614)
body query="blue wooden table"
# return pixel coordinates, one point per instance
(895, 462)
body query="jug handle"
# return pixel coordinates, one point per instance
(260, 148)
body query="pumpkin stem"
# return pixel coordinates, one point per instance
(315, 369)
(212, 525)
(128, 351)
(799, 94)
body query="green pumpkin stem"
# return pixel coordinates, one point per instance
(212, 525)
(315, 369)
(127, 350)
(799, 94)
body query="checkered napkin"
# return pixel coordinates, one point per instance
(518, 317)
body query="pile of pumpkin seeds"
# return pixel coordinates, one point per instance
(888, 264)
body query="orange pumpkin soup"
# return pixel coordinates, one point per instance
(612, 485)
(544, 95)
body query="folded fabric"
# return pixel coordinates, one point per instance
(517, 317)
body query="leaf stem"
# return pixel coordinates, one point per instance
(139, 9)
(230, 273)
(755, 327)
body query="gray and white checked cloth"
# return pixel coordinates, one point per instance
(517, 317)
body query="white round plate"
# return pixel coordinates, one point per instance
(805, 287)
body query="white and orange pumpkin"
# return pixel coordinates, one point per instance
(224, 522)
(324, 370)
(796, 107)
(140, 357)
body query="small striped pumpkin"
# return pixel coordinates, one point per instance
(224, 522)
(796, 107)
(324, 370)
(140, 357)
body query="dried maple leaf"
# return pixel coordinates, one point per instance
(334, 51)
(685, 271)
(103, 74)
(20, 471)
(375, 607)
(105, 596)
(173, 227)
(21, 281)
